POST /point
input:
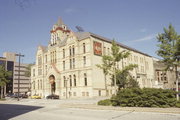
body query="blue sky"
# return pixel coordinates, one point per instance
(132, 22)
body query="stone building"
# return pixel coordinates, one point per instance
(67, 66)
(165, 79)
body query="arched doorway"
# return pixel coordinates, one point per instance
(53, 83)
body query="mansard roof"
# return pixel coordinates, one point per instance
(83, 35)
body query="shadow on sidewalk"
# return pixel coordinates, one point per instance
(8, 111)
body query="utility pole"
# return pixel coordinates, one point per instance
(19, 55)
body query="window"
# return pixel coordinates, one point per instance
(41, 84)
(63, 53)
(99, 92)
(39, 60)
(113, 81)
(46, 69)
(70, 63)
(64, 65)
(73, 50)
(84, 48)
(69, 50)
(64, 78)
(38, 84)
(70, 80)
(85, 79)
(45, 58)
(74, 80)
(157, 73)
(158, 79)
(104, 50)
(73, 62)
(84, 60)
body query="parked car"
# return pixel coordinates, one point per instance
(15, 95)
(9, 95)
(24, 96)
(52, 96)
(36, 97)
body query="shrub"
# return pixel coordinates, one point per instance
(178, 104)
(146, 97)
(105, 102)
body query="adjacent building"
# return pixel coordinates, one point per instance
(67, 66)
(9, 62)
(165, 79)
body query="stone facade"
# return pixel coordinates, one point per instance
(67, 66)
(165, 79)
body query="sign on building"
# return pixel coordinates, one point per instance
(97, 48)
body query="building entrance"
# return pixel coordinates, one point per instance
(53, 83)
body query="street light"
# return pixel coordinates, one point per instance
(19, 55)
(177, 80)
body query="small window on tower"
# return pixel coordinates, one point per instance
(65, 27)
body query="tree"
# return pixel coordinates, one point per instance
(125, 79)
(4, 75)
(105, 67)
(169, 50)
(109, 65)
(28, 70)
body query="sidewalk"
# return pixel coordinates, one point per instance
(133, 109)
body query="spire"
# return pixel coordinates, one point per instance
(60, 22)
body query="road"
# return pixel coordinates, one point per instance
(56, 110)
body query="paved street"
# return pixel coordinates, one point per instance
(29, 109)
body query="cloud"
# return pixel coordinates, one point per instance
(146, 38)
(70, 10)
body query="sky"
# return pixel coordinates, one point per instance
(25, 24)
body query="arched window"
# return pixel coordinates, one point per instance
(74, 80)
(85, 79)
(63, 53)
(70, 80)
(70, 51)
(73, 50)
(84, 48)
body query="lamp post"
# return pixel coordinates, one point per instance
(19, 55)
(177, 81)
(177, 84)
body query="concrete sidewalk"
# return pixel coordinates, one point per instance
(87, 104)
(134, 109)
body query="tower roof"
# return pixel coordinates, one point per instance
(60, 22)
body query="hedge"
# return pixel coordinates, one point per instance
(146, 97)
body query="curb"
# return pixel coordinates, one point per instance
(134, 109)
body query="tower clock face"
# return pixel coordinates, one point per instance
(97, 48)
